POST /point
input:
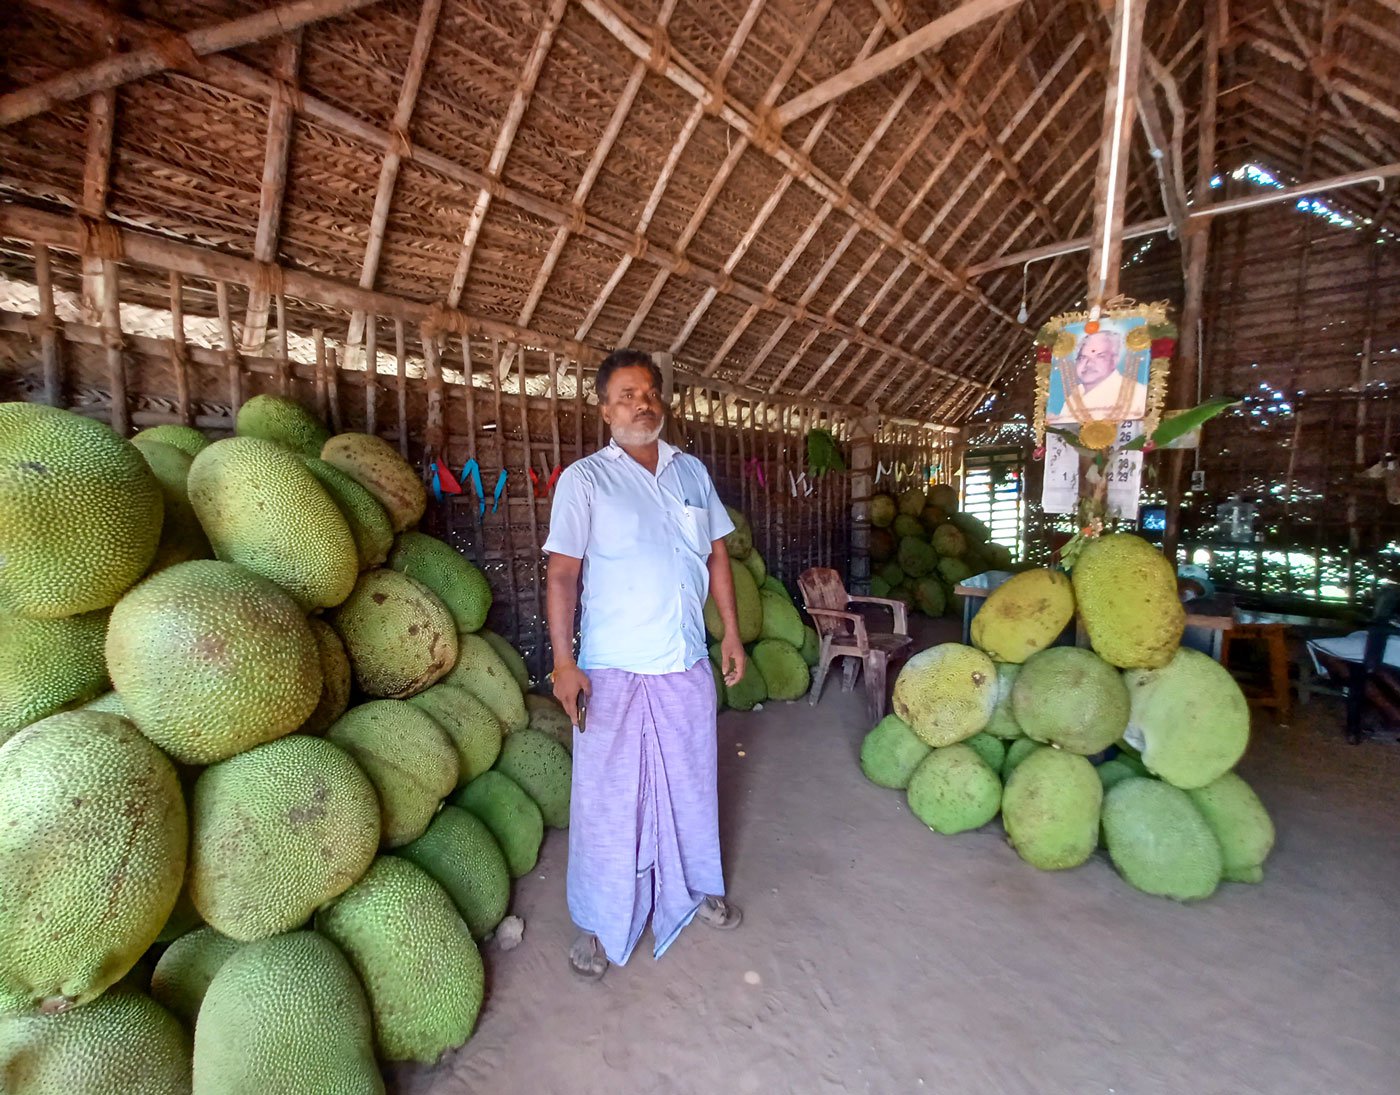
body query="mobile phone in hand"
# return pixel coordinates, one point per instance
(581, 705)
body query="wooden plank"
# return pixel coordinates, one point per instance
(318, 336)
(536, 550)
(97, 177)
(179, 352)
(233, 364)
(372, 376)
(112, 340)
(401, 356)
(49, 352)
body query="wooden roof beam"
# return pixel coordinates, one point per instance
(170, 51)
(97, 178)
(927, 37)
(1345, 88)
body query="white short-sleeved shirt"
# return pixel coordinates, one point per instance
(645, 544)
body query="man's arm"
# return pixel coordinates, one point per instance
(561, 602)
(731, 647)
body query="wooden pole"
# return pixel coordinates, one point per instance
(231, 356)
(48, 329)
(401, 354)
(179, 352)
(372, 375)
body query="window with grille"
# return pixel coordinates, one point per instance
(994, 493)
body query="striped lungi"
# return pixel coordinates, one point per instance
(644, 817)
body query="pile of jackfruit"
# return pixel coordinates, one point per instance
(1128, 745)
(265, 776)
(781, 648)
(921, 547)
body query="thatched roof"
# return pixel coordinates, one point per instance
(614, 171)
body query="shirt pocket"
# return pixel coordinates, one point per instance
(695, 527)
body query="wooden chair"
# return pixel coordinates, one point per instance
(844, 635)
(1274, 691)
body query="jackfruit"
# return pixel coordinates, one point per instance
(718, 674)
(181, 537)
(949, 540)
(746, 603)
(989, 748)
(286, 1016)
(751, 688)
(953, 571)
(780, 618)
(999, 556)
(890, 753)
(1241, 825)
(941, 494)
(282, 421)
(811, 646)
(882, 545)
(784, 672)
(1024, 615)
(1003, 723)
(276, 832)
(912, 501)
(739, 542)
(263, 509)
(407, 756)
(893, 574)
(883, 510)
(109, 703)
(511, 815)
(1189, 718)
(92, 849)
(364, 516)
(930, 517)
(482, 673)
(928, 596)
(1126, 593)
(971, 527)
(879, 587)
(904, 525)
(543, 769)
(474, 731)
(123, 1044)
(916, 558)
(183, 974)
(46, 665)
(753, 562)
(415, 957)
(1051, 809)
(399, 636)
(548, 717)
(772, 583)
(954, 790)
(510, 657)
(440, 567)
(185, 438)
(183, 919)
(335, 678)
(377, 467)
(459, 853)
(946, 693)
(1159, 841)
(80, 513)
(1016, 752)
(1113, 772)
(1072, 698)
(211, 659)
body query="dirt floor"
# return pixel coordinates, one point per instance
(877, 956)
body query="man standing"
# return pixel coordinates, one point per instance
(640, 525)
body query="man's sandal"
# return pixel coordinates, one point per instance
(719, 913)
(586, 957)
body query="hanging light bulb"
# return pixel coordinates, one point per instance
(1024, 314)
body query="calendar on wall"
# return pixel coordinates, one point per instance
(1065, 466)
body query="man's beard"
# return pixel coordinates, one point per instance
(638, 435)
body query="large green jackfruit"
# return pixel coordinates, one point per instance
(80, 513)
(460, 855)
(912, 501)
(400, 637)
(415, 957)
(1189, 719)
(185, 438)
(92, 849)
(971, 527)
(364, 516)
(990, 748)
(904, 525)
(749, 691)
(882, 545)
(931, 517)
(181, 537)
(916, 558)
(1024, 615)
(335, 678)
(890, 753)
(929, 597)
(1003, 722)
(1050, 808)
(211, 659)
(946, 693)
(286, 1016)
(954, 790)
(883, 510)
(449, 574)
(954, 571)
(48, 664)
(263, 509)
(480, 671)
(511, 815)
(780, 618)
(1159, 841)
(474, 731)
(784, 671)
(276, 832)
(893, 574)
(755, 565)
(283, 421)
(1113, 772)
(511, 657)
(543, 769)
(121, 1044)
(811, 646)
(1125, 590)
(547, 715)
(949, 540)
(1070, 697)
(1016, 752)
(739, 542)
(378, 467)
(746, 603)
(943, 495)
(184, 972)
(1241, 825)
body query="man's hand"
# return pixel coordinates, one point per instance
(569, 681)
(731, 657)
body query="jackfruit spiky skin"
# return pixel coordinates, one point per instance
(883, 510)
(415, 957)
(1050, 808)
(185, 438)
(1016, 752)
(954, 790)
(916, 558)
(1003, 722)
(181, 537)
(1113, 772)
(459, 853)
(543, 769)
(511, 815)
(183, 974)
(276, 832)
(408, 757)
(811, 646)
(904, 525)
(399, 636)
(929, 596)
(211, 659)
(1241, 825)
(377, 467)
(890, 753)
(912, 501)
(80, 513)
(1159, 841)
(475, 733)
(286, 1016)
(364, 516)
(893, 574)
(990, 748)
(109, 703)
(183, 919)
(755, 565)
(335, 678)
(953, 571)
(746, 603)
(1024, 615)
(739, 542)
(1125, 590)
(509, 656)
(949, 540)
(751, 689)
(784, 671)
(780, 618)
(263, 509)
(121, 1044)
(440, 567)
(93, 837)
(1189, 718)
(548, 717)
(776, 586)
(46, 665)
(283, 421)
(944, 496)
(946, 693)
(1070, 697)
(480, 671)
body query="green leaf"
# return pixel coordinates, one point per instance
(1068, 437)
(1179, 425)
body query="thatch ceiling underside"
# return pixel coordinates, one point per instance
(627, 210)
